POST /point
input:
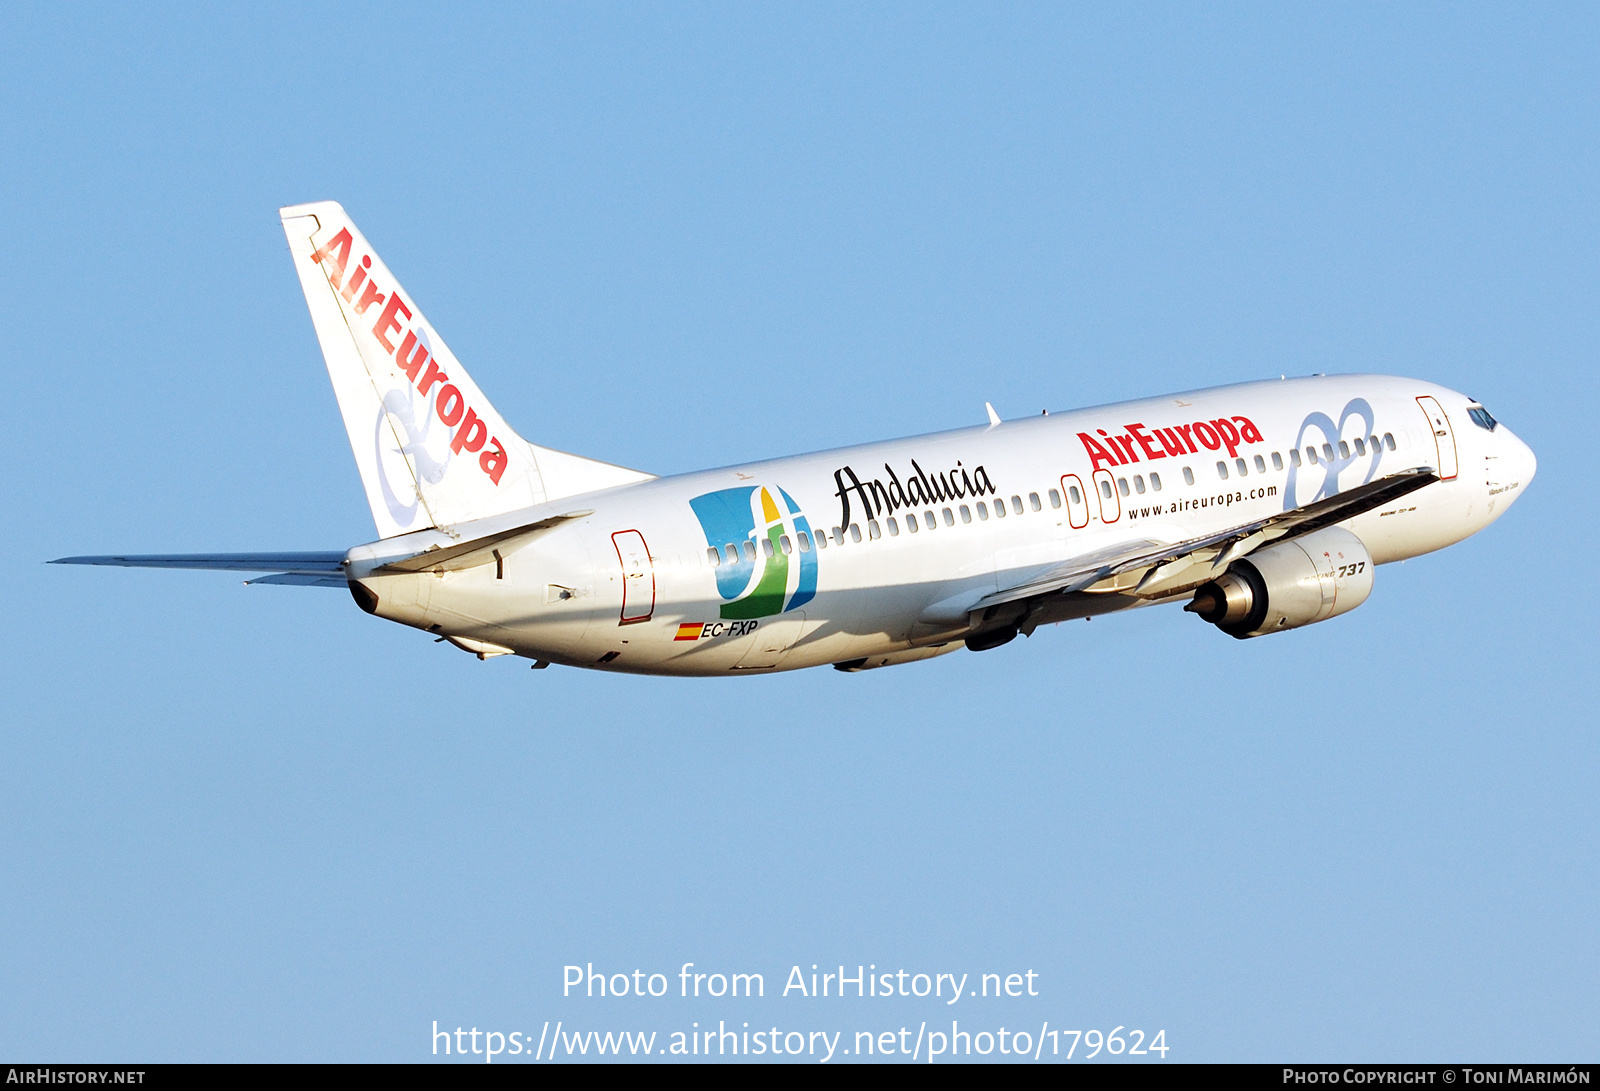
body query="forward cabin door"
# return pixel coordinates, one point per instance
(638, 577)
(1444, 439)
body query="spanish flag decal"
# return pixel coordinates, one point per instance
(689, 632)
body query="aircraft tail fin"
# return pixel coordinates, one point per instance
(431, 449)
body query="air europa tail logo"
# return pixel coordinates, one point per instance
(1109, 452)
(412, 356)
(756, 529)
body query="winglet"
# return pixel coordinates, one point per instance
(994, 418)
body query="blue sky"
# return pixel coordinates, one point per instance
(255, 823)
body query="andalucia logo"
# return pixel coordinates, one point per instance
(764, 569)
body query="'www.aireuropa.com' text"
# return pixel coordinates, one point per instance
(921, 1043)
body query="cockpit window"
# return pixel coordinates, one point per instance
(1480, 416)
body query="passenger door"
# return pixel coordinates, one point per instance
(638, 577)
(1444, 439)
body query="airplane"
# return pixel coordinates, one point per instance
(1262, 507)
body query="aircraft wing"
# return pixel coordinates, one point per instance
(318, 569)
(1169, 567)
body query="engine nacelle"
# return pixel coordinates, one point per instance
(1304, 580)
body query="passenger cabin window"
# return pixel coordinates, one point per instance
(1311, 455)
(1122, 485)
(999, 509)
(1033, 501)
(1361, 446)
(785, 544)
(1016, 504)
(874, 531)
(1239, 464)
(750, 551)
(949, 518)
(1327, 451)
(1344, 449)
(1188, 476)
(1155, 482)
(1388, 440)
(1294, 457)
(1222, 470)
(766, 547)
(1074, 494)
(805, 541)
(855, 532)
(1277, 461)
(928, 520)
(1055, 498)
(838, 536)
(983, 511)
(1480, 416)
(966, 514)
(911, 522)
(714, 556)
(1105, 489)
(894, 528)
(1138, 484)
(1261, 465)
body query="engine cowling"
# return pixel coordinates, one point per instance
(1284, 586)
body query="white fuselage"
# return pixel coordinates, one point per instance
(816, 562)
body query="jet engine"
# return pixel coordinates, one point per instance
(1304, 580)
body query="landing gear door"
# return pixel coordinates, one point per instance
(1443, 437)
(1106, 492)
(638, 577)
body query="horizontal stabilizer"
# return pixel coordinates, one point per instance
(479, 550)
(299, 564)
(301, 579)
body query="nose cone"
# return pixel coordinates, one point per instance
(1519, 459)
(1514, 466)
